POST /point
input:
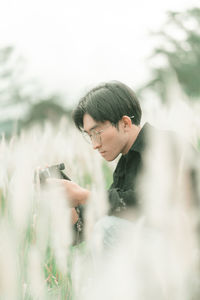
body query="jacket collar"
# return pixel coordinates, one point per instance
(141, 140)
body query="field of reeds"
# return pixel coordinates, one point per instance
(158, 259)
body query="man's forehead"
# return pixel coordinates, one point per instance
(89, 123)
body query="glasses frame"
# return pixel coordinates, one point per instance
(95, 135)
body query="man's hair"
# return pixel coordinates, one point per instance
(108, 102)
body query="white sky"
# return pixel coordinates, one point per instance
(71, 45)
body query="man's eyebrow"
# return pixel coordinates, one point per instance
(93, 127)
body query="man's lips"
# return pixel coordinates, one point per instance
(102, 152)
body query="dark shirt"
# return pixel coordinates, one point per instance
(123, 193)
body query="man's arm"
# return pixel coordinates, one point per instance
(76, 195)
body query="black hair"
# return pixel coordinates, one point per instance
(108, 102)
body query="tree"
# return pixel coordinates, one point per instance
(179, 53)
(46, 109)
(16, 91)
(14, 88)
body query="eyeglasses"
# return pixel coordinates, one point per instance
(95, 136)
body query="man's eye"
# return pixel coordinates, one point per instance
(97, 132)
(94, 132)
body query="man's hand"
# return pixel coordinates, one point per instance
(75, 194)
(74, 216)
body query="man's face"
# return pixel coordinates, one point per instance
(106, 138)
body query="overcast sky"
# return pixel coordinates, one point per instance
(72, 45)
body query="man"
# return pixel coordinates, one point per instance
(109, 117)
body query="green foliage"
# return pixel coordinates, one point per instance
(46, 109)
(198, 145)
(3, 203)
(108, 174)
(17, 92)
(86, 180)
(14, 88)
(180, 54)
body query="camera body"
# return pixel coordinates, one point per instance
(54, 171)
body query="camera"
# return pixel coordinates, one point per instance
(55, 171)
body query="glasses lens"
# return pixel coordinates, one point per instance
(96, 137)
(86, 137)
(93, 138)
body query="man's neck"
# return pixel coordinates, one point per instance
(133, 136)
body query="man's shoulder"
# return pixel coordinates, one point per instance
(142, 139)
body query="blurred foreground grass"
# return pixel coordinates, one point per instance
(37, 259)
(38, 242)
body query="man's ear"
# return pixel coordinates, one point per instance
(126, 121)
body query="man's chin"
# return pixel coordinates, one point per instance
(110, 158)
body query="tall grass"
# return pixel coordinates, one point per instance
(35, 224)
(158, 258)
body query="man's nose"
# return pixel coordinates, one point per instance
(96, 144)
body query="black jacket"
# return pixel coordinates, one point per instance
(123, 192)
